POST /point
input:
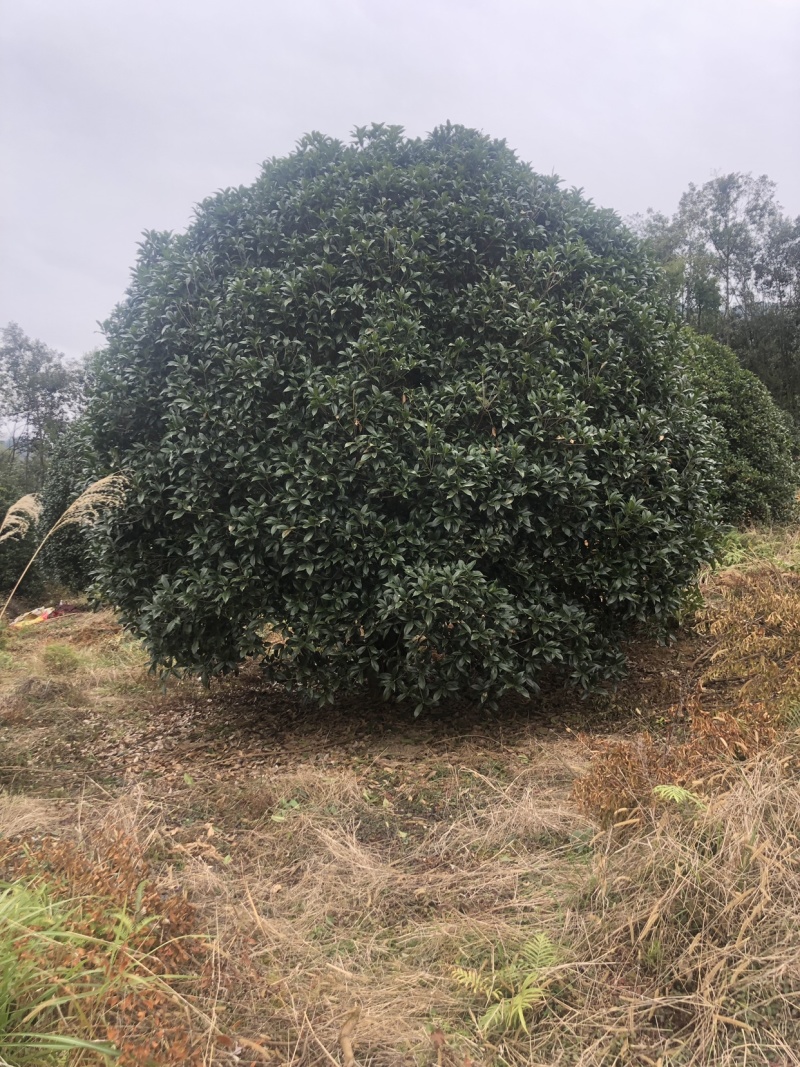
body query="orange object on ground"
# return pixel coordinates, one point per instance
(31, 618)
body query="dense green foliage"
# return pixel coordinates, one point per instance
(70, 468)
(755, 449)
(40, 392)
(412, 405)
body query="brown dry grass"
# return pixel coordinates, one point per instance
(744, 692)
(696, 919)
(136, 961)
(677, 942)
(341, 875)
(26, 815)
(680, 940)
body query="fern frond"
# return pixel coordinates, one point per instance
(512, 990)
(677, 794)
(496, 1017)
(473, 980)
(510, 1011)
(507, 979)
(538, 953)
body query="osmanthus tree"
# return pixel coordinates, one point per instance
(755, 441)
(412, 406)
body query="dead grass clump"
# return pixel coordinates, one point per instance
(34, 690)
(740, 732)
(38, 689)
(623, 775)
(697, 928)
(25, 815)
(754, 618)
(98, 629)
(335, 904)
(288, 796)
(12, 714)
(746, 690)
(526, 814)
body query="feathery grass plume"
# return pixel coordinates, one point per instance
(20, 517)
(85, 510)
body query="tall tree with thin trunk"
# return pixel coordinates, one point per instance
(38, 395)
(731, 262)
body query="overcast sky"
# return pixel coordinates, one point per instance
(119, 115)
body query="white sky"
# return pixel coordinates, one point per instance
(118, 115)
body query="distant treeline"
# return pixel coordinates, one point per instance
(731, 262)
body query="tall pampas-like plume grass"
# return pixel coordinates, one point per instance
(20, 517)
(104, 494)
(100, 496)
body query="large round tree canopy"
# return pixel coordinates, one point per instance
(405, 413)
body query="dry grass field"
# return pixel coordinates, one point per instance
(251, 880)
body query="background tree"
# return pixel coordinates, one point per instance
(689, 282)
(726, 221)
(71, 467)
(759, 475)
(731, 263)
(767, 339)
(39, 393)
(412, 405)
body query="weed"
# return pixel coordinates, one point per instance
(104, 955)
(514, 989)
(747, 548)
(59, 658)
(678, 795)
(45, 985)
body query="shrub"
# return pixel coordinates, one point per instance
(755, 447)
(414, 407)
(66, 558)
